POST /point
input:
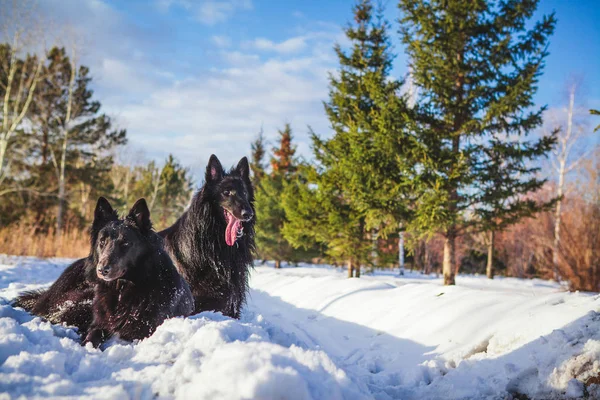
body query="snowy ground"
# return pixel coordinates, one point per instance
(309, 332)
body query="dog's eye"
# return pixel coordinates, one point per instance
(102, 242)
(226, 193)
(125, 244)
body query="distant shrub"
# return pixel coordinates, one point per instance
(22, 239)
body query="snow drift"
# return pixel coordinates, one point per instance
(310, 333)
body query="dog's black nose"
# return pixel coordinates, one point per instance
(104, 270)
(247, 214)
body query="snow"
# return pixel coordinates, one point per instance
(311, 333)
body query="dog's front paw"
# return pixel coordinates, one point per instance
(96, 337)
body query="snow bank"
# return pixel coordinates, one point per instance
(207, 356)
(412, 338)
(311, 333)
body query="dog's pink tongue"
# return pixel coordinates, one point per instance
(233, 226)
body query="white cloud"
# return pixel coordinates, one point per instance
(292, 45)
(221, 40)
(208, 12)
(221, 113)
(193, 104)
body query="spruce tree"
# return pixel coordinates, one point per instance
(595, 112)
(476, 65)
(258, 155)
(368, 116)
(37, 163)
(505, 175)
(175, 194)
(359, 181)
(91, 134)
(319, 216)
(270, 213)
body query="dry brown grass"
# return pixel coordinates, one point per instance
(21, 240)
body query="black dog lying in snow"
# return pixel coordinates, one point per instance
(212, 246)
(128, 284)
(212, 243)
(136, 285)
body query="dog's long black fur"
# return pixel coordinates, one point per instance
(217, 271)
(69, 299)
(136, 285)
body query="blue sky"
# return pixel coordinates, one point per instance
(195, 77)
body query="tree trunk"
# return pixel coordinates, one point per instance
(277, 264)
(449, 263)
(490, 258)
(45, 146)
(565, 145)
(426, 264)
(557, 218)
(374, 235)
(126, 189)
(350, 268)
(62, 201)
(401, 251)
(156, 189)
(357, 271)
(448, 267)
(11, 121)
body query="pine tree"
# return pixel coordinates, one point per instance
(318, 216)
(595, 112)
(61, 105)
(175, 194)
(167, 190)
(367, 114)
(504, 178)
(476, 66)
(269, 209)
(359, 179)
(258, 154)
(37, 167)
(282, 161)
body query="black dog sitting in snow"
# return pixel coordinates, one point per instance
(212, 243)
(136, 284)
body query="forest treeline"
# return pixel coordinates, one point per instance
(58, 154)
(455, 156)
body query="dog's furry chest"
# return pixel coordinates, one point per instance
(127, 309)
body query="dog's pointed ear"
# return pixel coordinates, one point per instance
(140, 215)
(214, 170)
(243, 169)
(103, 214)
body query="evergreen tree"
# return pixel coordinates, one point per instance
(37, 166)
(258, 154)
(282, 161)
(167, 190)
(360, 181)
(595, 112)
(368, 116)
(476, 66)
(319, 216)
(90, 133)
(269, 209)
(504, 178)
(175, 192)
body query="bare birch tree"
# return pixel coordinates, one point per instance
(19, 77)
(62, 202)
(565, 159)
